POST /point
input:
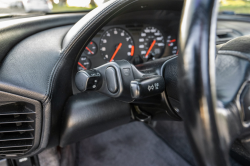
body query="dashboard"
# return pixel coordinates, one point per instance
(35, 68)
(137, 37)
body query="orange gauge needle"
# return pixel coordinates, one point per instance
(82, 66)
(132, 50)
(150, 48)
(172, 41)
(117, 49)
(89, 50)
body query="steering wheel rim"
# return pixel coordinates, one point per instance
(211, 88)
(197, 81)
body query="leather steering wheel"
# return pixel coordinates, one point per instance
(213, 90)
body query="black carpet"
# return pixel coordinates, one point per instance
(174, 135)
(133, 144)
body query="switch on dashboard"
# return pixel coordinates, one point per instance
(111, 79)
(88, 80)
(120, 80)
(146, 87)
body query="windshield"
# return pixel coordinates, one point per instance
(25, 7)
(28, 7)
(234, 6)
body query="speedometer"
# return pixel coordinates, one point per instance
(151, 43)
(116, 44)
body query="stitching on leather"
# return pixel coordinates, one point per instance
(238, 54)
(78, 36)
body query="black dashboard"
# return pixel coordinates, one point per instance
(137, 37)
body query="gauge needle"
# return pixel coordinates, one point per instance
(171, 41)
(82, 66)
(89, 50)
(117, 49)
(132, 50)
(150, 48)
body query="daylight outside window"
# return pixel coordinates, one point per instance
(24, 7)
(29, 7)
(235, 6)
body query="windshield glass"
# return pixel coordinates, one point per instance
(25, 7)
(234, 6)
(28, 7)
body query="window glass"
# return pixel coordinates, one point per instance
(235, 6)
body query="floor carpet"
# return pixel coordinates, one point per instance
(133, 144)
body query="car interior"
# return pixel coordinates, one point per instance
(129, 83)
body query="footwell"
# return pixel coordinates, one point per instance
(133, 144)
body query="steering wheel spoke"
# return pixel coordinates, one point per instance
(229, 124)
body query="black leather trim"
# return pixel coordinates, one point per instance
(240, 44)
(232, 66)
(26, 71)
(103, 13)
(235, 53)
(232, 70)
(13, 31)
(27, 68)
(91, 113)
(171, 78)
(230, 75)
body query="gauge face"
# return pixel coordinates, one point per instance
(151, 43)
(83, 63)
(116, 44)
(91, 48)
(172, 45)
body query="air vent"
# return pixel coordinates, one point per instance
(17, 124)
(224, 35)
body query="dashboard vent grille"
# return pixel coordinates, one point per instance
(17, 124)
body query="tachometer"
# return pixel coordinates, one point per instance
(151, 43)
(116, 44)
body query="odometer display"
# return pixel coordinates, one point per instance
(116, 44)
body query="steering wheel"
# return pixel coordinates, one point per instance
(213, 90)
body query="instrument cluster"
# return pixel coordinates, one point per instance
(135, 43)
